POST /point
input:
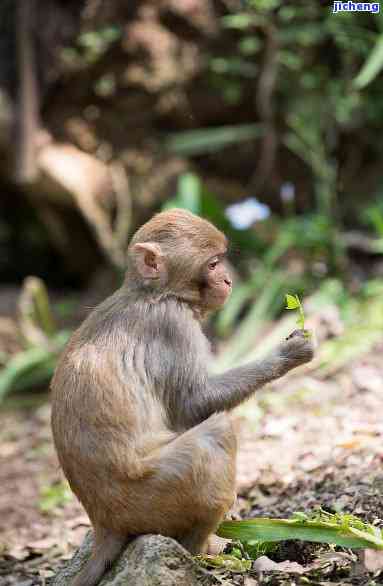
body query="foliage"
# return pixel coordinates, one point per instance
(42, 342)
(31, 367)
(91, 46)
(325, 69)
(228, 562)
(254, 538)
(319, 526)
(372, 216)
(363, 321)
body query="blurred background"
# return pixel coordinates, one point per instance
(264, 116)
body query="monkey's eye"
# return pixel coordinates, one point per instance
(212, 264)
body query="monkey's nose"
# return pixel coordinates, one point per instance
(228, 282)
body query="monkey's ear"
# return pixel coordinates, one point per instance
(149, 260)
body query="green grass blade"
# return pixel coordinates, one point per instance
(286, 529)
(210, 140)
(18, 365)
(31, 365)
(188, 194)
(372, 66)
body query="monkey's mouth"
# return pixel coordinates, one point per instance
(215, 297)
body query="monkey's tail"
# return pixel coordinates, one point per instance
(106, 549)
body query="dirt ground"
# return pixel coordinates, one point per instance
(304, 442)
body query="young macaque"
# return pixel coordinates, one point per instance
(142, 430)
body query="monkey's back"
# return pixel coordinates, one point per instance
(104, 426)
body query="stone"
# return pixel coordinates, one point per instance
(149, 560)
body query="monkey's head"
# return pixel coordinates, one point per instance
(177, 253)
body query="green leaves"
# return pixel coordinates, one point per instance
(293, 302)
(226, 562)
(35, 364)
(341, 530)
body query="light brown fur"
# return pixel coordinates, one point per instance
(140, 427)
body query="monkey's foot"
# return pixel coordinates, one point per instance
(216, 545)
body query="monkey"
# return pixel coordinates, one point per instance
(142, 430)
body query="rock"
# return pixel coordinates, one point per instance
(149, 560)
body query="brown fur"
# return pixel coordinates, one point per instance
(140, 427)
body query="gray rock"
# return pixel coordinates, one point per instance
(149, 560)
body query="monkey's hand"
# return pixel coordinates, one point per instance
(298, 348)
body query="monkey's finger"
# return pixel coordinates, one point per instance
(296, 333)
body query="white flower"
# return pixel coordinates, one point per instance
(242, 215)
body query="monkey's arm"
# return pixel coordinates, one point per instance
(226, 391)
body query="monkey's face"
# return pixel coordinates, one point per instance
(179, 253)
(216, 284)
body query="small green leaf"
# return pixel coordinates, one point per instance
(237, 553)
(255, 548)
(292, 301)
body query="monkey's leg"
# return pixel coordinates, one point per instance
(202, 538)
(187, 487)
(197, 540)
(191, 485)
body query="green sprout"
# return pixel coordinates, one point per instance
(293, 302)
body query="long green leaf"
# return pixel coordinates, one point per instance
(31, 364)
(205, 140)
(372, 66)
(286, 529)
(188, 194)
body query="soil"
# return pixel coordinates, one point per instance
(304, 442)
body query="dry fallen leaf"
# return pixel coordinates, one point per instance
(250, 581)
(333, 556)
(373, 560)
(40, 545)
(18, 552)
(265, 564)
